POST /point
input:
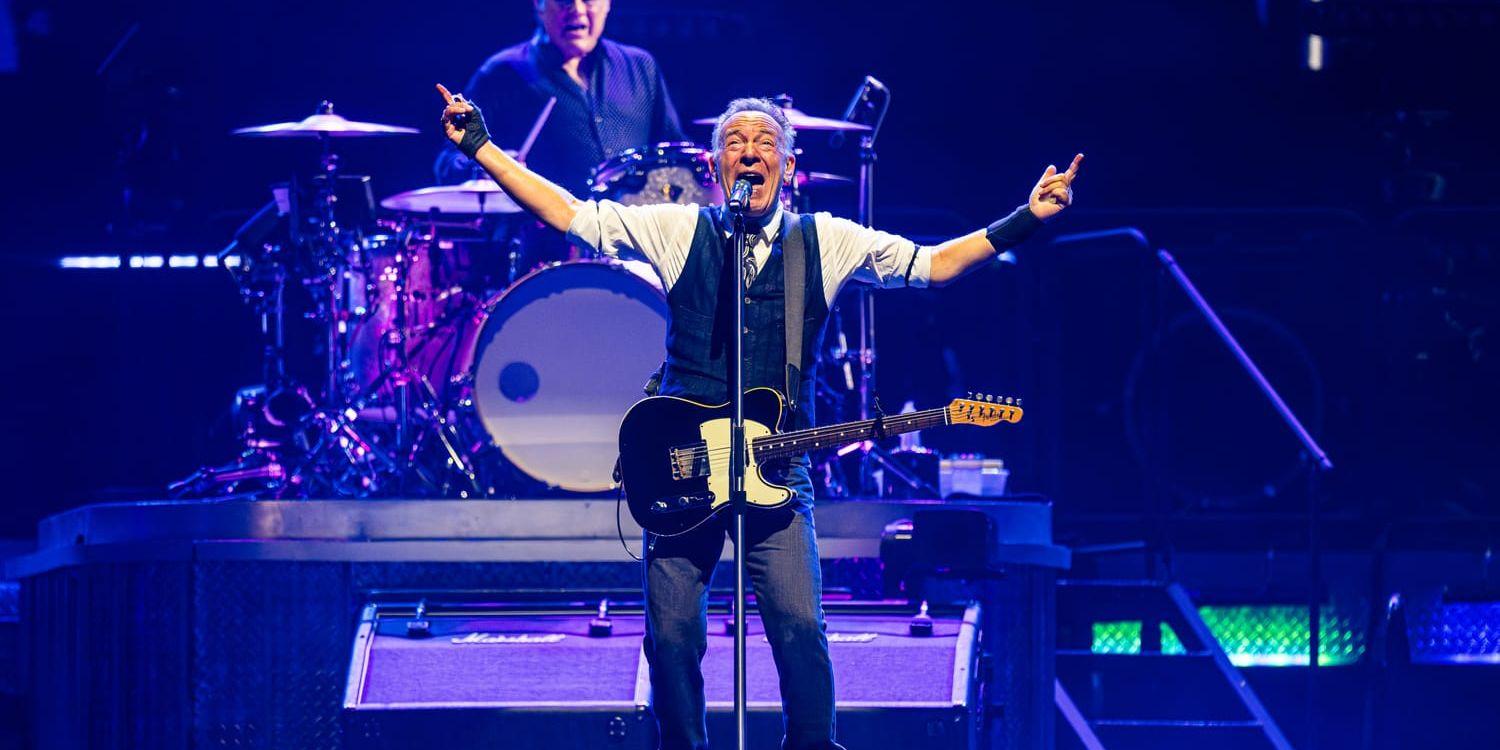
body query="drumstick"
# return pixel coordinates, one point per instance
(536, 130)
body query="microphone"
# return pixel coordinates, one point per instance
(739, 196)
(867, 88)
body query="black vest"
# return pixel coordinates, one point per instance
(699, 337)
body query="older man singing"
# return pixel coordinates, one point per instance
(688, 246)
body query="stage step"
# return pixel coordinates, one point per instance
(1181, 687)
(1187, 697)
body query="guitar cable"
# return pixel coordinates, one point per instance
(620, 525)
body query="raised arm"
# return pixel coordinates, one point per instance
(463, 124)
(958, 256)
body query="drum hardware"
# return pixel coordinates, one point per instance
(429, 413)
(329, 215)
(267, 421)
(264, 416)
(322, 230)
(401, 395)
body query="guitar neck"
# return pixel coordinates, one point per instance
(802, 441)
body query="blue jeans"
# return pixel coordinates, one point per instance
(781, 562)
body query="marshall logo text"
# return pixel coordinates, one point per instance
(523, 638)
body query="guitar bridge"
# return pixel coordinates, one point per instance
(688, 461)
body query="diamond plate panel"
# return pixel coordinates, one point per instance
(1454, 632)
(272, 643)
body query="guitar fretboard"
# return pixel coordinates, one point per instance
(802, 441)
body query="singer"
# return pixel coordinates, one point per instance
(754, 159)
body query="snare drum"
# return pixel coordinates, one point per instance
(677, 172)
(558, 359)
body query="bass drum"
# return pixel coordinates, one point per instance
(558, 360)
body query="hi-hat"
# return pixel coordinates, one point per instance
(324, 124)
(481, 196)
(802, 121)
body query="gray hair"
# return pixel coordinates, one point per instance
(764, 106)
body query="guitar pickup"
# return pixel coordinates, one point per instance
(679, 503)
(688, 461)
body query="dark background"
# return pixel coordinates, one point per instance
(1343, 220)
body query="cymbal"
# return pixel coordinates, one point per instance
(324, 123)
(481, 196)
(821, 178)
(802, 121)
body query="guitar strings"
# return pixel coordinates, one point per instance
(907, 420)
(718, 458)
(919, 419)
(916, 420)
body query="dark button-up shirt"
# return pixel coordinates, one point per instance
(625, 105)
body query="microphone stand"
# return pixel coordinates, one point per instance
(737, 466)
(869, 106)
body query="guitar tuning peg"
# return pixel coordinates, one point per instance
(990, 398)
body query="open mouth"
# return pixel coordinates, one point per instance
(754, 178)
(575, 28)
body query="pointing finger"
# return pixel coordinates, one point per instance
(1073, 168)
(447, 95)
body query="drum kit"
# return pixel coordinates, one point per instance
(452, 364)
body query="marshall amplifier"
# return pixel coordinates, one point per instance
(900, 680)
(479, 675)
(515, 676)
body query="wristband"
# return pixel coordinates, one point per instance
(1013, 229)
(475, 134)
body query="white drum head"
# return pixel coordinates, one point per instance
(560, 358)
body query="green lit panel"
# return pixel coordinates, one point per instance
(1276, 635)
(1252, 636)
(1125, 638)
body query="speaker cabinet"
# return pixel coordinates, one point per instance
(479, 675)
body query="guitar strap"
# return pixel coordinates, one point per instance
(794, 283)
(794, 270)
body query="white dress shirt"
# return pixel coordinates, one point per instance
(662, 235)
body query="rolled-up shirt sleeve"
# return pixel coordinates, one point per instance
(870, 256)
(658, 234)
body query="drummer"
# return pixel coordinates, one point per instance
(610, 97)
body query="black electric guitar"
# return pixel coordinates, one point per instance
(674, 453)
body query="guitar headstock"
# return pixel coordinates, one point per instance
(984, 410)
